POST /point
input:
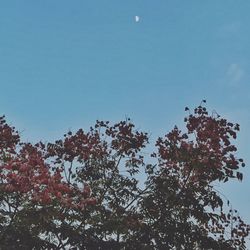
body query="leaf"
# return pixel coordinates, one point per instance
(226, 179)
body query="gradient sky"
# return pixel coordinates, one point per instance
(64, 64)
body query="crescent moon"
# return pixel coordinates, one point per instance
(137, 19)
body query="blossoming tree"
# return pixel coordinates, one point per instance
(85, 191)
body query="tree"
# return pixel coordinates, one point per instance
(83, 191)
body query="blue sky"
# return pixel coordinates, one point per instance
(64, 64)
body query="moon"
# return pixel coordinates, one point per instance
(137, 19)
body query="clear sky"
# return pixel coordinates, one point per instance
(64, 64)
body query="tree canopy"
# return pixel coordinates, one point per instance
(85, 191)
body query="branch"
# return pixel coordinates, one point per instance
(142, 192)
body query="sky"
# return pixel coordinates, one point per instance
(64, 64)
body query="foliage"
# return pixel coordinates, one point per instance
(84, 191)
